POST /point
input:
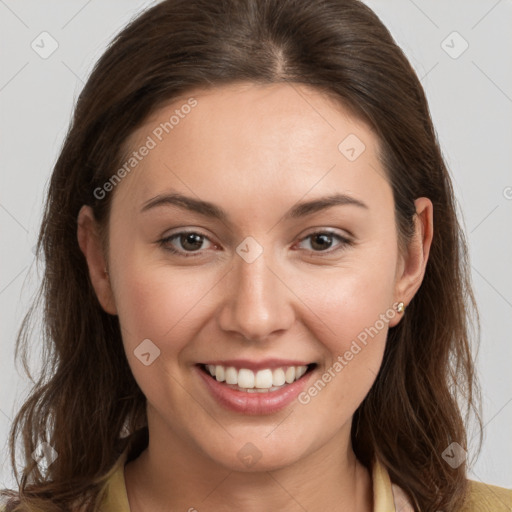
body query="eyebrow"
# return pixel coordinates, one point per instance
(208, 209)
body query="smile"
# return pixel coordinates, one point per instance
(263, 381)
(261, 390)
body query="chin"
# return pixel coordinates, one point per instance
(254, 456)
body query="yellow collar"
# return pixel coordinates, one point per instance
(388, 497)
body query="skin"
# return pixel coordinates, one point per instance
(255, 151)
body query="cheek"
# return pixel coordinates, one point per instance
(354, 331)
(168, 309)
(354, 343)
(166, 305)
(349, 314)
(152, 307)
(354, 298)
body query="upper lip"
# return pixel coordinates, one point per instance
(256, 365)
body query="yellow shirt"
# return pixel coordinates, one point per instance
(388, 497)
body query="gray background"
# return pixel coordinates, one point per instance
(470, 95)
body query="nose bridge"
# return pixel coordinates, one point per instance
(257, 302)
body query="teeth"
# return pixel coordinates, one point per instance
(278, 377)
(231, 375)
(300, 371)
(246, 378)
(261, 381)
(290, 374)
(219, 373)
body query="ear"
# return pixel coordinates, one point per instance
(90, 244)
(411, 266)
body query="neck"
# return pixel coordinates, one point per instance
(171, 477)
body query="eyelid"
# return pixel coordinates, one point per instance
(344, 241)
(328, 231)
(165, 242)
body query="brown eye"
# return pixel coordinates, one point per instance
(185, 243)
(322, 241)
(191, 241)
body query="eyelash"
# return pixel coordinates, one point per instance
(345, 242)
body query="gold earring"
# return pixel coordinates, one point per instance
(400, 307)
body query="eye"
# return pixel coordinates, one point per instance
(322, 241)
(190, 243)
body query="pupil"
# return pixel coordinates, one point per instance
(325, 241)
(193, 239)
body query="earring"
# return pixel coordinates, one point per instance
(400, 307)
(106, 271)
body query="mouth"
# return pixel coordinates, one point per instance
(263, 380)
(263, 389)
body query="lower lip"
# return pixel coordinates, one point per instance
(254, 403)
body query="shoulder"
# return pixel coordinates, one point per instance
(488, 498)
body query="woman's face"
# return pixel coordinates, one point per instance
(291, 260)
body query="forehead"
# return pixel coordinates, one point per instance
(276, 141)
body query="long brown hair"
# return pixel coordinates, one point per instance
(86, 398)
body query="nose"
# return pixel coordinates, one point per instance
(258, 302)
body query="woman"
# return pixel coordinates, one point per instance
(256, 294)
